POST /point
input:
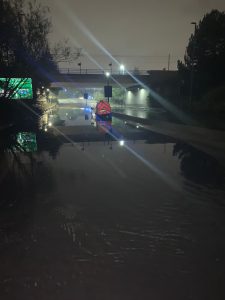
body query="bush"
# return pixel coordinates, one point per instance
(214, 101)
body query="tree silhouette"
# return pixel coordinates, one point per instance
(24, 42)
(205, 55)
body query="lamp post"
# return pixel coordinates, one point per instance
(107, 74)
(110, 65)
(122, 68)
(192, 67)
(79, 64)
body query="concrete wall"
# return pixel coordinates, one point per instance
(139, 98)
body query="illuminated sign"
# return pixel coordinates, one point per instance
(16, 88)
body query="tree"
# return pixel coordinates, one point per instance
(205, 55)
(118, 95)
(25, 50)
(99, 95)
(64, 52)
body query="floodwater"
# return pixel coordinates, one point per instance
(121, 213)
(143, 112)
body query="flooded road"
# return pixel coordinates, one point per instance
(119, 213)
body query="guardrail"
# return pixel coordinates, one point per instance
(99, 72)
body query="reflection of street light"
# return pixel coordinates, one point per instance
(121, 143)
(122, 68)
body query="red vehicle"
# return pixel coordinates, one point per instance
(103, 111)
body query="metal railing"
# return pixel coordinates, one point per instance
(99, 72)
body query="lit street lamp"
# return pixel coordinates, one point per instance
(107, 74)
(122, 69)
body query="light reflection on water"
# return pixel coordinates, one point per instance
(97, 211)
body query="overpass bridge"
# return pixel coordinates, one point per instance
(97, 79)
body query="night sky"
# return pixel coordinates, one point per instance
(137, 33)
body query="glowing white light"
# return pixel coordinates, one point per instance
(46, 129)
(42, 87)
(48, 90)
(137, 126)
(50, 124)
(122, 143)
(107, 74)
(122, 68)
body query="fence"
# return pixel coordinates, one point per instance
(99, 71)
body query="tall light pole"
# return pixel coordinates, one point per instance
(110, 65)
(107, 74)
(79, 64)
(192, 67)
(122, 69)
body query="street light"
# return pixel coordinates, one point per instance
(122, 68)
(107, 74)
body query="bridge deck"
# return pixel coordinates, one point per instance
(97, 80)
